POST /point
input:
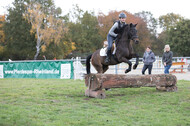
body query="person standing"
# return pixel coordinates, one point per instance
(167, 59)
(148, 59)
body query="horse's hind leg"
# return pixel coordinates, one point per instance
(105, 68)
(98, 68)
(101, 68)
(96, 62)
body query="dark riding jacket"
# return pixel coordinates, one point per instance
(116, 28)
(167, 57)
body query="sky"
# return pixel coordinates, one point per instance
(156, 7)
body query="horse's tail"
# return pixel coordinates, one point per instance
(88, 63)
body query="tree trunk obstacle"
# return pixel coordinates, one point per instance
(97, 82)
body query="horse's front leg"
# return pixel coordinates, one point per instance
(137, 60)
(128, 62)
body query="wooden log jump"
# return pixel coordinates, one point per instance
(97, 82)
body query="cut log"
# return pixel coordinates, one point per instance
(95, 94)
(162, 82)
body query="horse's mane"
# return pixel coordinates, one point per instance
(125, 28)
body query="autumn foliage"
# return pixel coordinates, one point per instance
(2, 34)
(106, 22)
(47, 28)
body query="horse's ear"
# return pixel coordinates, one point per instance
(136, 24)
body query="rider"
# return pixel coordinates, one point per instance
(113, 34)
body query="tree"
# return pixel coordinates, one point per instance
(169, 20)
(20, 40)
(2, 35)
(83, 30)
(179, 38)
(47, 28)
(151, 22)
(166, 22)
(60, 50)
(92, 39)
(158, 44)
(20, 43)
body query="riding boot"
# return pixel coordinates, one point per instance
(107, 60)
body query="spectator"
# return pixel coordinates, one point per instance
(167, 59)
(148, 59)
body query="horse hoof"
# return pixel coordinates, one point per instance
(127, 71)
(108, 89)
(134, 66)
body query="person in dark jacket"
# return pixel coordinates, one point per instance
(113, 34)
(167, 59)
(148, 59)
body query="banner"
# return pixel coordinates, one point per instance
(1, 71)
(38, 69)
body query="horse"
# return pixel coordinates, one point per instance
(124, 52)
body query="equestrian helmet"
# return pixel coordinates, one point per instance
(122, 15)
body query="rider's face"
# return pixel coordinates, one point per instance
(122, 19)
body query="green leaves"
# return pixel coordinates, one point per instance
(85, 32)
(19, 42)
(179, 38)
(150, 20)
(169, 20)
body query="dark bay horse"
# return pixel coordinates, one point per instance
(124, 52)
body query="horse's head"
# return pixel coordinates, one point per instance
(133, 33)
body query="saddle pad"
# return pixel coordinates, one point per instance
(103, 51)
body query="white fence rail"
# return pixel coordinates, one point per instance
(80, 68)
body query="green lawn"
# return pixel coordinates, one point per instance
(56, 102)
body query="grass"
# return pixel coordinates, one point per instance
(56, 102)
